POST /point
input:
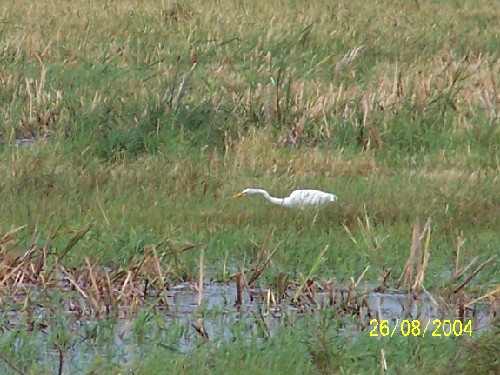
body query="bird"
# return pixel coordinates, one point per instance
(298, 198)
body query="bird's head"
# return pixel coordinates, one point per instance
(250, 191)
(242, 193)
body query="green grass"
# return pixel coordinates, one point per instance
(147, 147)
(136, 202)
(309, 344)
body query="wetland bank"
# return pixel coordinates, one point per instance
(121, 249)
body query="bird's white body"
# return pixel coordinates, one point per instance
(297, 199)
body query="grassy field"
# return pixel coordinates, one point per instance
(149, 116)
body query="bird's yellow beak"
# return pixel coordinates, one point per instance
(238, 195)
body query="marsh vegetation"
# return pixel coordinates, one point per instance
(143, 119)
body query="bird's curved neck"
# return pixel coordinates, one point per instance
(274, 200)
(267, 196)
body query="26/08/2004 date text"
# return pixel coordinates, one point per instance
(440, 328)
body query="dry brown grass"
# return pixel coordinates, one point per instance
(66, 36)
(257, 153)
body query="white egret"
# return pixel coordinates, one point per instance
(297, 199)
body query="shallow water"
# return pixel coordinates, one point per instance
(191, 318)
